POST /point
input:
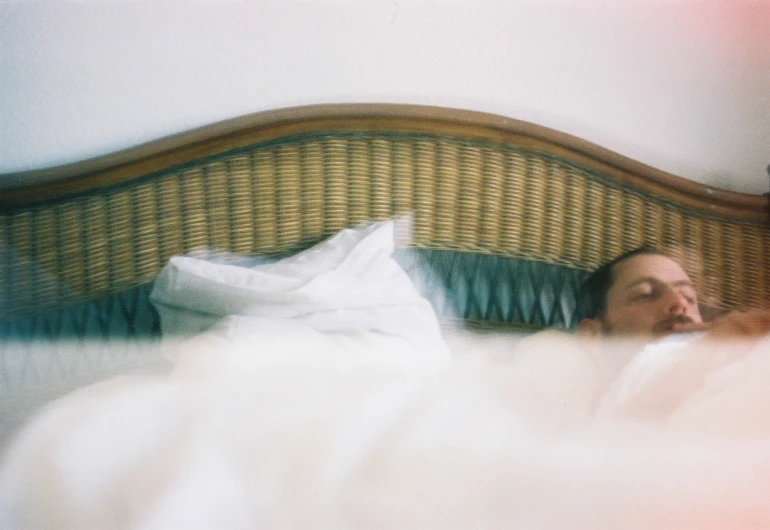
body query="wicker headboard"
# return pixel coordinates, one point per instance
(280, 180)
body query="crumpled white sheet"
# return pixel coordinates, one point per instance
(648, 364)
(301, 444)
(693, 383)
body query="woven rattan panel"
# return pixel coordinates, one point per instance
(273, 197)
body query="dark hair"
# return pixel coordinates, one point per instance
(598, 284)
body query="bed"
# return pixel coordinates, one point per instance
(507, 217)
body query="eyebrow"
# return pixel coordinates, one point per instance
(650, 279)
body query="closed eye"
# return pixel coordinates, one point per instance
(647, 295)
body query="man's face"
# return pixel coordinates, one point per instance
(649, 294)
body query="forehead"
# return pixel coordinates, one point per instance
(648, 266)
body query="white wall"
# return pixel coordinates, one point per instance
(680, 85)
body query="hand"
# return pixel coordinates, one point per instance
(750, 324)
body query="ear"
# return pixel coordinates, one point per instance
(590, 328)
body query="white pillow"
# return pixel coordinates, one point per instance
(349, 282)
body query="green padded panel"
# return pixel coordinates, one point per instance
(126, 315)
(74, 342)
(495, 288)
(45, 356)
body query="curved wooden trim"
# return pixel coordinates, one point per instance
(122, 166)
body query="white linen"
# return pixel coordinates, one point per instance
(287, 445)
(733, 398)
(348, 287)
(669, 381)
(647, 367)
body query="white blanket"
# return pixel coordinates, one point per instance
(376, 446)
(322, 419)
(692, 383)
(682, 383)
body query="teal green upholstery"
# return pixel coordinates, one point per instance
(125, 315)
(491, 288)
(45, 356)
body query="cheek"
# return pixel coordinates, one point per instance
(632, 318)
(694, 313)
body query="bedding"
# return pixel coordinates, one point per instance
(677, 380)
(348, 286)
(280, 436)
(667, 383)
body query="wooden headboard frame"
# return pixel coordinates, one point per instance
(278, 180)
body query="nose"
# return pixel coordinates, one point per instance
(676, 303)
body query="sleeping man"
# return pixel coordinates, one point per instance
(645, 350)
(647, 295)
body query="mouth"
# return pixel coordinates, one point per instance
(666, 326)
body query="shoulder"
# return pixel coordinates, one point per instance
(557, 352)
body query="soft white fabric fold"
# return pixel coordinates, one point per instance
(346, 285)
(377, 447)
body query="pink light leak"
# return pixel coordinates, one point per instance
(736, 30)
